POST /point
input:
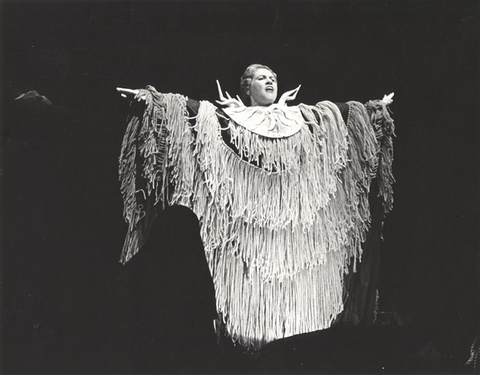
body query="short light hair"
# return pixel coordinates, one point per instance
(246, 81)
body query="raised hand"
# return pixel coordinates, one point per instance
(388, 99)
(289, 95)
(228, 101)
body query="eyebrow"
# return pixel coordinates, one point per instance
(265, 76)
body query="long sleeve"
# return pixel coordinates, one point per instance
(360, 287)
(375, 115)
(143, 164)
(385, 131)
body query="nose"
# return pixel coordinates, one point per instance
(270, 83)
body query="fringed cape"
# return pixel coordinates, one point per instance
(281, 219)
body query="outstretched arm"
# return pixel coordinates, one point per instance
(141, 95)
(144, 162)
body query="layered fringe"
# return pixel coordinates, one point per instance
(143, 165)
(384, 127)
(280, 220)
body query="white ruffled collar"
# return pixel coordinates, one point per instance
(274, 121)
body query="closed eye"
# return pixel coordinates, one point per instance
(265, 77)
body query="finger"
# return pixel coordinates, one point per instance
(228, 95)
(220, 94)
(128, 91)
(123, 95)
(240, 100)
(295, 92)
(292, 94)
(222, 102)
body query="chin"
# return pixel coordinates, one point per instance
(270, 99)
(266, 100)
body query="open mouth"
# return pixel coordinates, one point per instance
(269, 89)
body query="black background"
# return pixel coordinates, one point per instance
(62, 226)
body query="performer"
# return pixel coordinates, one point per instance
(281, 194)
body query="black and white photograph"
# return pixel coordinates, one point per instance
(239, 187)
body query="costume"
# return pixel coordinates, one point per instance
(283, 205)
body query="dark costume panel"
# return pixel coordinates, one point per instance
(171, 299)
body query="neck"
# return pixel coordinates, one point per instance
(253, 103)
